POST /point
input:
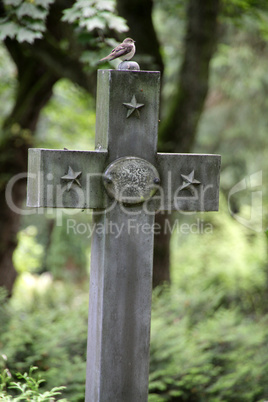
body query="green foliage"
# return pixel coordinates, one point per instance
(7, 83)
(28, 254)
(234, 122)
(49, 330)
(221, 357)
(68, 120)
(170, 16)
(209, 330)
(231, 260)
(236, 9)
(91, 14)
(29, 390)
(213, 319)
(24, 20)
(209, 336)
(49, 243)
(68, 254)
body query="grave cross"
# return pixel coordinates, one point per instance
(124, 181)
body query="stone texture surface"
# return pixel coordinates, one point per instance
(47, 189)
(122, 244)
(128, 65)
(121, 263)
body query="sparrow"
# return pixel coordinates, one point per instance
(125, 50)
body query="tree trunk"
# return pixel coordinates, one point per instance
(34, 90)
(162, 237)
(138, 14)
(39, 66)
(177, 132)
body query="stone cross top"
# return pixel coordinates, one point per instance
(124, 181)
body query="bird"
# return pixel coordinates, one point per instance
(125, 50)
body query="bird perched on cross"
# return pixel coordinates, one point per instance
(125, 50)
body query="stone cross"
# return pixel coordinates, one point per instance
(124, 181)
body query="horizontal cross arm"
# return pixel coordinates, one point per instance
(65, 179)
(189, 182)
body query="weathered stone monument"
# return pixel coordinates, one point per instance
(124, 181)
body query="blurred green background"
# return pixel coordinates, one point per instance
(209, 335)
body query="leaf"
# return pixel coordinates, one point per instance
(91, 14)
(88, 12)
(22, 34)
(14, 3)
(25, 35)
(85, 3)
(44, 3)
(92, 23)
(70, 15)
(105, 5)
(8, 29)
(31, 10)
(90, 58)
(116, 22)
(38, 26)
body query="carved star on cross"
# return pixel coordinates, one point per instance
(72, 177)
(188, 181)
(133, 107)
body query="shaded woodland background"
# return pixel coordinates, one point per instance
(209, 319)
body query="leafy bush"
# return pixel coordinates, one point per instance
(49, 330)
(209, 330)
(26, 20)
(232, 261)
(199, 350)
(68, 254)
(28, 254)
(209, 336)
(29, 390)
(222, 357)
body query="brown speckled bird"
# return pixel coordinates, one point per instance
(125, 50)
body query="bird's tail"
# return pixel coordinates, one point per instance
(104, 59)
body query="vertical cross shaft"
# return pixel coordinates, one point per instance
(125, 163)
(121, 262)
